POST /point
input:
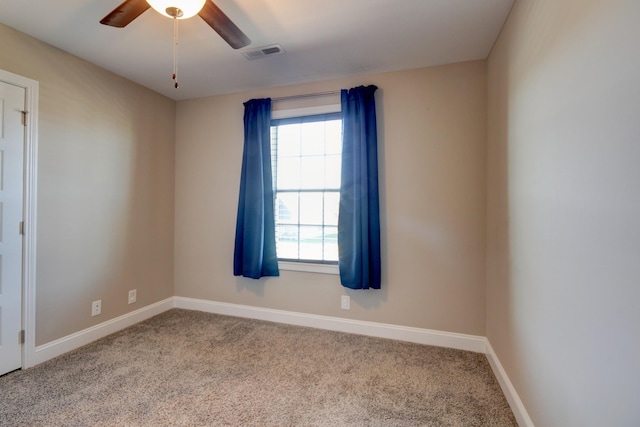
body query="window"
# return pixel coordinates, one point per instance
(306, 161)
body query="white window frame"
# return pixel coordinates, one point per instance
(308, 267)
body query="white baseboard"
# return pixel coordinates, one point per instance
(71, 342)
(519, 411)
(381, 330)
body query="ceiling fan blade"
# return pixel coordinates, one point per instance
(220, 22)
(122, 15)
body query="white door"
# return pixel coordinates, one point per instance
(12, 138)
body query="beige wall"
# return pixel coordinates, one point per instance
(105, 188)
(432, 180)
(564, 207)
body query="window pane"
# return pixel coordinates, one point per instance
(312, 172)
(286, 208)
(331, 208)
(331, 243)
(287, 241)
(332, 171)
(311, 208)
(288, 140)
(288, 170)
(333, 137)
(311, 243)
(312, 137)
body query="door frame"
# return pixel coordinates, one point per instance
(29, 213)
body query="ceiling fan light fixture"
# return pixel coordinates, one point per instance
(180, 9)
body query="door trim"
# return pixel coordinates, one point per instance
(30, 208)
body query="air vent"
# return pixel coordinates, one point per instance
(261, 52)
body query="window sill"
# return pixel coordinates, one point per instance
(309, 267)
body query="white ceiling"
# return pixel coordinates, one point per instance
(322, 39)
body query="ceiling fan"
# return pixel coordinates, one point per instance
(122, 15)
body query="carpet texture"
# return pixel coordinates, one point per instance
(189, 368)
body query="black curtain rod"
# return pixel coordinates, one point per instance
(306, 95)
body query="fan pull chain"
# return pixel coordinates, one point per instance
(175, 52)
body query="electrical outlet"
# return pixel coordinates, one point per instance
(133, 296)
(345, 302)
(96, 307)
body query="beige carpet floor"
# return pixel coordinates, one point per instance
(189, 368)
